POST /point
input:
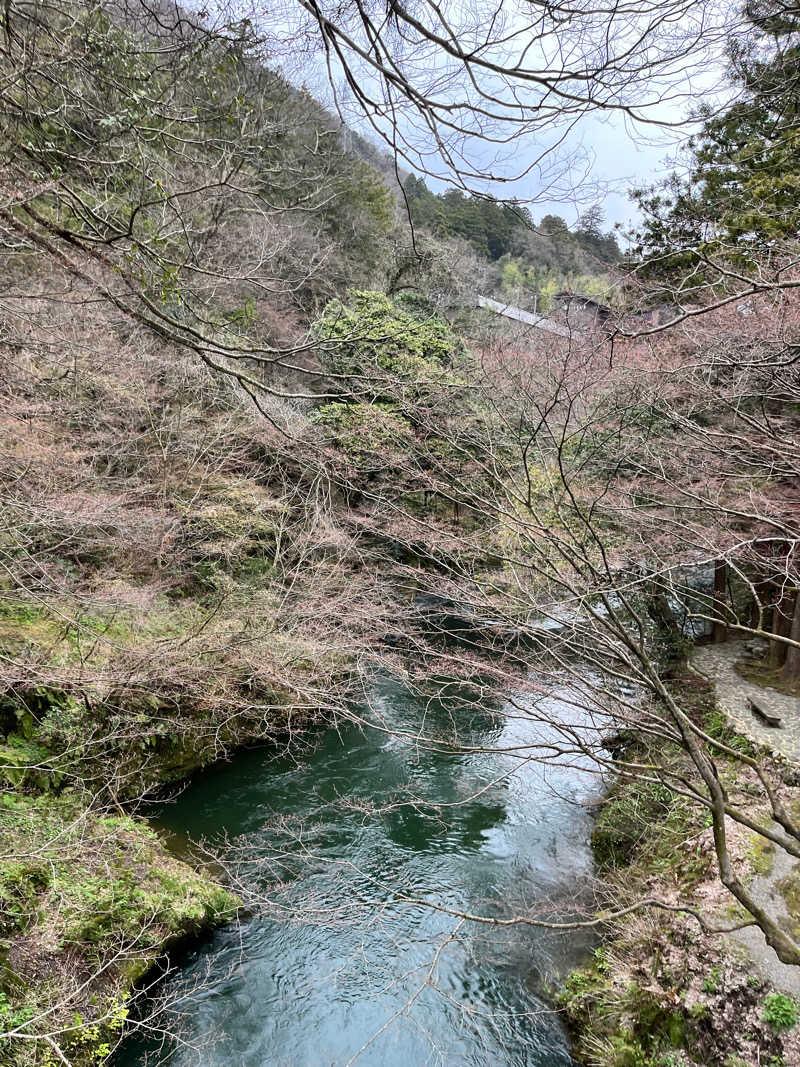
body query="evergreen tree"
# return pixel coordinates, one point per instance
(741, 194)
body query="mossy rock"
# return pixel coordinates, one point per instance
(623, 825)
(27, 764)
(22, 884)
(761, 855)
(789, 888)
(99, 885)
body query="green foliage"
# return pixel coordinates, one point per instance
(512, 278)
(647, 1036)
(95, 1040)
(392, 361)
(487, 226)
(13, 1015)
(360, 215)
(116, 904)
(27, 764)
(405, 412)
(261, 149)
(86, 1041)
(371, 334)
(519, 281)
(532, 263)
(23, 623)
(717, 725)
(712, 980)
(495, 229)
(94, 874)
(741, 194)
(22, 883)
(89, 886)
(601, 961)
(655, 1028)
(780, 1011)
(367, 432)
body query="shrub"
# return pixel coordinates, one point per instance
(712, 980)
(780, 1011)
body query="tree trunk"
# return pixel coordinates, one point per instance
(791, 666)
(719, 632)
(780, 627)
(760, 610)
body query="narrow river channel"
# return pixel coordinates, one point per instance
(381, 985)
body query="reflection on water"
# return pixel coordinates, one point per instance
(344, 971)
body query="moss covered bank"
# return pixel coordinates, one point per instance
(87, 906)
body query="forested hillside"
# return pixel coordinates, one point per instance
(533, 261)
(260, 448)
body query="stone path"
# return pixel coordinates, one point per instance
(764, 888)
(715, 662)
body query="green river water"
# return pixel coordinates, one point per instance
(322, 979)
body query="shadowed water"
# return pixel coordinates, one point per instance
(340, 969)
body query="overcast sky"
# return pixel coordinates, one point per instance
(615, 159)
(619, 159)
(610, 159)
(598, 160)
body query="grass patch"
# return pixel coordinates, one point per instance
(646, 821)
(621, 1028)
(716, 725)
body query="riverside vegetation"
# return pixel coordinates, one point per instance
(251, 422)
(659, 990)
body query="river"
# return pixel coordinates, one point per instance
(322, 979)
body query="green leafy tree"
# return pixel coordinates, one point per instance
(406, 415)
(513, 278)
